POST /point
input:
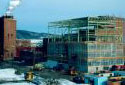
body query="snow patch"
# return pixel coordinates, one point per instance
(24, 83)
(9, 75)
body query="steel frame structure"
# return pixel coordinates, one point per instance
(103, 36)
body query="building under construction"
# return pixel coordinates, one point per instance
(89, 44)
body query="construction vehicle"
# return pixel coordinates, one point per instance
(78, 79)
(116, 81)
(71, 71)
(29, 76)
(117, 78)
(118, 68)
(38, 67)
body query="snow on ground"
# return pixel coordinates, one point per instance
(41, 81)
(9, 75)
(67, 82)
(24, 83)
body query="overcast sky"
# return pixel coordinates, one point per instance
(34, 15)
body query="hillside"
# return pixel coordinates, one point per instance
(22, 34)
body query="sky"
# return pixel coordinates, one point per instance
(34, 15)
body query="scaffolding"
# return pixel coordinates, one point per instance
(96, 41)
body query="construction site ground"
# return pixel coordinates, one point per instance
(45, 73)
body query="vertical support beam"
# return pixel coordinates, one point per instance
(69, 29)
(115, 29)
(55, 32)
(87, 43)
(88, 30)
(48, 33)
(78, 35)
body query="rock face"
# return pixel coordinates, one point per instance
(22, 34)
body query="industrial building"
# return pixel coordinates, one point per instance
(7, 37)
(89, 44)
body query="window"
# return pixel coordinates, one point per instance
(11, 35)
(8, 36)
(12, 55)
